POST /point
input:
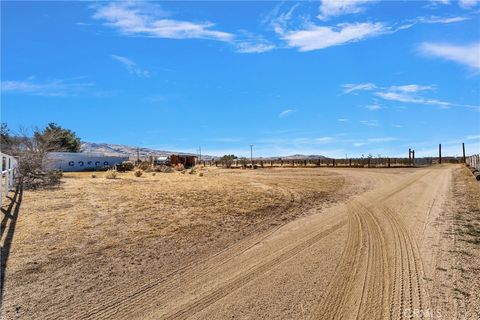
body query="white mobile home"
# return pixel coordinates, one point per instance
(82, 161)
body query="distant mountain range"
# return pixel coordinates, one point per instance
(130, 151)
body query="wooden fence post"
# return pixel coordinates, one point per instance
(440, 153)
(463, 149)
(334, 162)
(349, 162)
(388, 161)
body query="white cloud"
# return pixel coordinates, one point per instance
(331, 8)
(369, 123)
(351, 87)
(411, 88)
(466, 4)
(131, 66)
(138, 18)
(286, 113)
(342, 120)
(63, 87)
(324, 140)
(445, 20)
(254, 47)
(473, 137)
(373, 107)
(410, 93)
(468, 55)
(320, 37)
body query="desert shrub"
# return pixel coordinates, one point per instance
(183, 171)
(145, 165)
(200, 174)
(154, 173)
(111, 174)
(192, 171)
(163, 168)
(128, 165)
(94, 175)
(138, 173)
(179, 167)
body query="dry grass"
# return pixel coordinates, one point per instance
(91, 234)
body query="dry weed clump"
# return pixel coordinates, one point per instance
(200, 174)
(154, 173)
(145, 165)
(94, 175)
(179, 167)
(111, 174)
(138, 173)
(162, 168)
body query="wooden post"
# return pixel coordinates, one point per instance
(369, 159)
(463, 149)
(334, 162)
(305, 163)
(349, 162)
(413, 157)
(388, 161)
(409, 156)
(440, 153)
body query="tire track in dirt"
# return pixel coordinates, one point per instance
(378, 276)
(125, 307)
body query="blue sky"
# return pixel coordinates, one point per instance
(331, 77)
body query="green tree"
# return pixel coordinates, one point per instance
(56, 138)
(227, 160)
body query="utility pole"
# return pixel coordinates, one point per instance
(251, 154)
(463, 149)
(138, 155)
(200, 153)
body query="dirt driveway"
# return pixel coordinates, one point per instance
(380, 244)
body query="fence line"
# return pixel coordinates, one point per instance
(474, 161)
(9, 169)
(331, 162)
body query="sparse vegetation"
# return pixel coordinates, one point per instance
(128, 165)
(111, 174)
(138, 173)
(32, 148)
(179, 167)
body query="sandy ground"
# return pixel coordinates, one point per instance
(248, 244)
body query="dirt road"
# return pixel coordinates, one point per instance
(375, 256)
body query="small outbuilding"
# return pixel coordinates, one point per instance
(185, 159)
(83, 161)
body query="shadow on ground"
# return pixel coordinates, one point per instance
(10, 215)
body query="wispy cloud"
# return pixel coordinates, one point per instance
(373, 107)
(149, 20)
(131, 66)
(351, 87)
(286, 113)
(369, 123)
(342, 120)
(53, 88)
(468, 55)
(332, 8)
(320, 37)
(467, 4)
(254, 46)
(441, 20)
(411, 93)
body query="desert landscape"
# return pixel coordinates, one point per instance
(274, 243)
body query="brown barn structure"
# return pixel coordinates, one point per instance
(186, 160)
